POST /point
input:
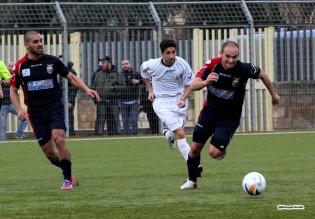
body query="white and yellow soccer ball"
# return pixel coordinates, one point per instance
(254, 183)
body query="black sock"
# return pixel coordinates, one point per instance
(56, 163)
(66, 169)
(192, 164)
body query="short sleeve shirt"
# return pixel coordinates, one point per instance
(168, 81)
(39, 80)
(229, 90)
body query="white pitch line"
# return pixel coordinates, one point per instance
(160, 136)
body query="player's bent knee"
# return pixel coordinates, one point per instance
(59, 139)
(196, 148)
(216, 153)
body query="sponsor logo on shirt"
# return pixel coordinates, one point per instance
(40, 85)
(36, 65)
(170, 70)
(224, 75)
(224, 94)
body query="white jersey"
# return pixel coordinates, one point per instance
(167, 81)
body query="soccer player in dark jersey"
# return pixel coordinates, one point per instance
(225, 78)
(37, 74)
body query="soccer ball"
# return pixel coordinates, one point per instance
(254, 183)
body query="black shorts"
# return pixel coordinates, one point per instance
(46, 118)
(220, 124)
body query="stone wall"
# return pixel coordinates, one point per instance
(86, 114)
(297, 107)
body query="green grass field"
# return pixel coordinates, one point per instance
(140, 178)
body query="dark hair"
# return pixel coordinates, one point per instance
(166, 44)
(70, 64)
(229, 43)
(106, 58)
(28, 34)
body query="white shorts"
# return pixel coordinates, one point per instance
(170, 114)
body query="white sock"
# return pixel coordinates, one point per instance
(183, 147)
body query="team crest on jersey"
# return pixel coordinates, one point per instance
(235, 82)
(50, 69)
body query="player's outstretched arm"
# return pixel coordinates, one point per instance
(78, 83)
(265, 79)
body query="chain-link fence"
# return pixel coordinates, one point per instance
(276, 35)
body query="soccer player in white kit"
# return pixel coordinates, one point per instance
(171, 77)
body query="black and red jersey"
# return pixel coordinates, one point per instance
(39, 80)
(229, 90)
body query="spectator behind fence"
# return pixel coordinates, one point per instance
(113, 124)
(72, 93)
(110, 124)
(7, 107)
(109, 84)
(146, 106)
(129, 99)
(97, 70)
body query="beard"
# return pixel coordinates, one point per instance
(37, 52)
